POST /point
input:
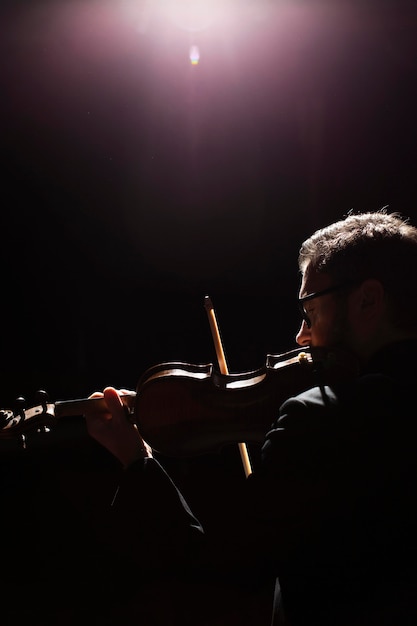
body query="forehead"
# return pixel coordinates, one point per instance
(313, 281)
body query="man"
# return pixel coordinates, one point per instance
(330, 513)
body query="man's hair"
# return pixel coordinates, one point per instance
(378, 245)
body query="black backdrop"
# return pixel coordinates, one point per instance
(134, 183)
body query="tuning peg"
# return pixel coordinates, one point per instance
(5, 417)
(20, 404)
(42, 398)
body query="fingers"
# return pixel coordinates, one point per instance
(114, 430)
(114, 402)
(110, 408)
(112, 394)
(96, 394)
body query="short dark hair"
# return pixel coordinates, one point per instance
(378, 245)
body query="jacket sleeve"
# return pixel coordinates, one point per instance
(148, 522)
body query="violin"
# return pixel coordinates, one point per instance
(184, 409)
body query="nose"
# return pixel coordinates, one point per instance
(303, 337)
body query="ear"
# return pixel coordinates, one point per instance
(371, 299)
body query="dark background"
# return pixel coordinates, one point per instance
(134, 183)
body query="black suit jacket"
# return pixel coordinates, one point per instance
(330, 511)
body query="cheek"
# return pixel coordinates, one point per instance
(322, 334)
(329, 329)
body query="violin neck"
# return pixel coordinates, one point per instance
(67, 408)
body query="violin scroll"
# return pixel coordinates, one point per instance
(45, 414)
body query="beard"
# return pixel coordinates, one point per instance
(342, 345)
(341, 335)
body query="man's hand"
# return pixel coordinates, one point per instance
(113, 429)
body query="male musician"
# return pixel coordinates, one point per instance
(331, 511)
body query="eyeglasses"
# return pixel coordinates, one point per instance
(312, 296)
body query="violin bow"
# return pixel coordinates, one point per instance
(208, 305)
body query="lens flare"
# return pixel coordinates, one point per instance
(194, 55)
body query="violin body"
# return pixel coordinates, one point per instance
(184, 409)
